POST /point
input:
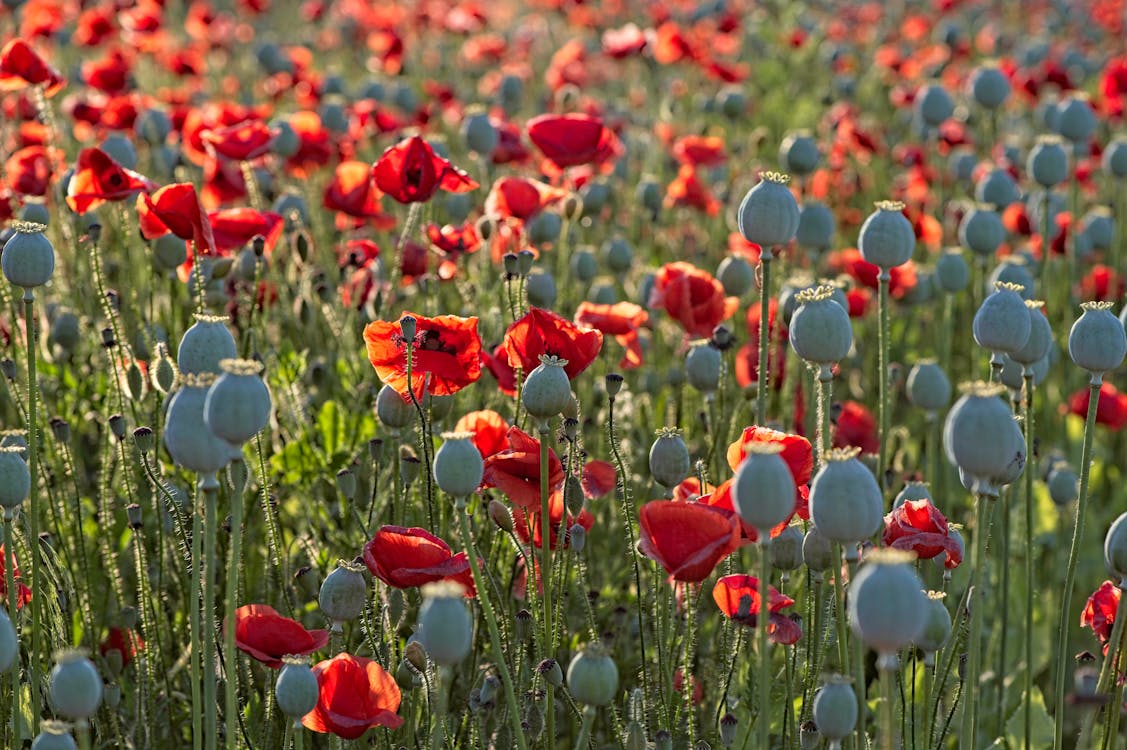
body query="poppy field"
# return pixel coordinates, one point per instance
(563, 374)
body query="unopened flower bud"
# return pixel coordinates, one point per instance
(511, 265)
(728, 724)
(550, 670)
(500, 515)
(577, 538)
(613, 384)
(409, 325)
(60, 429)
(133, 515)
(346, 483)
(117, 426)
(524, 262)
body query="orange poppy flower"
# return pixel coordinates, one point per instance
(687, 539)
(573, 139)
(692, 297)
(233, 228)
(405, 558)
(700, 151)
(523, 519)
(521, 198)
(737, 596)
(797, 451)
(98, 179)
(353, 194)
(411, 172)
(489, 429)
(545, 332)
(21, 66)
(243, 141)
(355, 694)
(446, 354)
(267, 636)
(175, 208)
(30, 169)
(688, 190)
(621, 320)
(515, 471)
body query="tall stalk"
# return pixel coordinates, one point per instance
(1030, 470)
(33, 499)
(984, 505)
(763, 369)
(763, 723)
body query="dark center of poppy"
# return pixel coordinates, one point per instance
(116, 180)
(431, 341)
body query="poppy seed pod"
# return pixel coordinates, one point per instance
(1048, 161)
(458, 465)
(9, 643)
(763, 491)
(820, 329)
(1099, 227)
(933, 105)
(981, 231)
(479, 133)
(1097, 341)
(976, 434)
(53, 735)
(296, 688)
(1013, 270)
(15, 478)
(928, 387)
(937, 628)
(65, 331)
(846, 503)
(998, 188)
(154, 125)
(1062, 484)
(238, 404)
(394, 411)
(1115, 549)
(75, 685)
(1001, 324)
(798, 153)
(186, 436)
(343, 593)
(912, 491)
(952, 274)
(736, 275)
(835, 708)
(618, 255)
(28, 258)
(785, 550)
(887, 606)
(447, 628)
(768, 214)
(1040, 336)
(592, 677)
(816, 226)
(669, 458)
(1016, 465)
(1075, 119)
(547, 390)
(702, 367)
(989, 86)
(887, 238)
(817, 551)
(540, 287)
(1114, 160)
(205, 344)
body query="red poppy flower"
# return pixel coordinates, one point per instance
(623, 42)
(902, 279)
(510, 148)
(95, 25)
(446, 351)
(176, 208)
(267, 636)
(1100, 610)
(1100, 284)
(917, 525)
(454, 241)
(737, 596)
(597, 479)
(125, 641)
(700, 151)
(497, 362)
(355, 694)
(315, 141)
(515, 471)
(797, 451)
(353, 194)
(621, 320)
(110, 74)
(233, 228)
(523, 518)
(29, 170)
(544, 332)
(490, 431)
(687, 190)
(24, 593)
(747, 364)
(21, 66)
(856, 427)
(697, 687)
(243, 141)
(223, 183)
(406, 558)
(521, 198)
(98, 179)
(1111, 407)
(687, 539)
(690, 490)
(410, 172)
(573, 139)
(692, 297)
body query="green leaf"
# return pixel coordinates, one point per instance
(1040, 724)
(330, 427)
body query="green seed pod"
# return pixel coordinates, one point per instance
(75, 685)
(669, 458)
(952, 274)
(15, 478)
(817, 551)
(238, 404)
(186, 436)
(393, 410)
(53, 735)
(998, 188)
(65, 331)
(649, 195)
(445, 622)
(786, 549)
(1015, 270)
(835, 708)
(981, 231)
(163, 371)
(1040, 336)
(912, 491)
(937, 628)
(1097, 341)
(540, 287)
(1048, 161)
(1075, 119)
(592, 677)
(296, 688)
(933, 105)
(1001, 325)
(478, 132)
(1114, 160)
(798, 153)
(763, 491)
(977, 435)
(547, 390)
(635, 737)
(768, 214)
(458, 465)
(343, 593)
(989, 86)
(28, 257)
(618, 255)
(1115, 549)
(702, 367)
(205, 344)
(1099, 227)
(9, 643)
(544, 228)
(820, 330)
(928, 387)
(736, 275)
(846, 503)
(887, 606)
(816, 226)
(887, 239)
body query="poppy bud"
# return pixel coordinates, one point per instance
(952, 274)
(648, 194)
(523, 627)
(75, 685)
(447, 628)
(408, 326)
(1002, 323)
(846, 504)
(15, 478)
(577, 538)
(594, 196)
(669, 458)
(393, 410)
(702, 367)
(937, 626)
(835, 708)
(798, 153)
(500, 515)
(458, 465)
(1075, 120)
(981, 230)
(592, 677)
(343, 594)
(28, 258)
(163, 370)
(820, 329)
(933, 105)
(490, 690)
(9, 643)
(768, 214)
(572, 207)
(887, 239)
(1048, 161)
(409, 466)
(1114, 160)
(544, 228)
(546, 390)
(406, 675)
(763, 491)
(296, 688)
(583, 265)
(1097, 341)
(541, 289)
(479, 133)
(205, 344)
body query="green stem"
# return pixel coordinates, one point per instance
(1073, 555)
(1030, 583)
(882, 375)
(691, 598)
(546, 575)
(929, 684)
(1003, 563)
(763, 369)
(975, 603)
(298, 736)
(207, 621)
(230, 655)
(491, 622)
(13, 615)
(839, 611)
(887, 712)
(584, 738)
(1115, 660)
(441, 685)
(825, 403)
(857, 660)
(763, 722)
(194, 625)
(33, 499)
